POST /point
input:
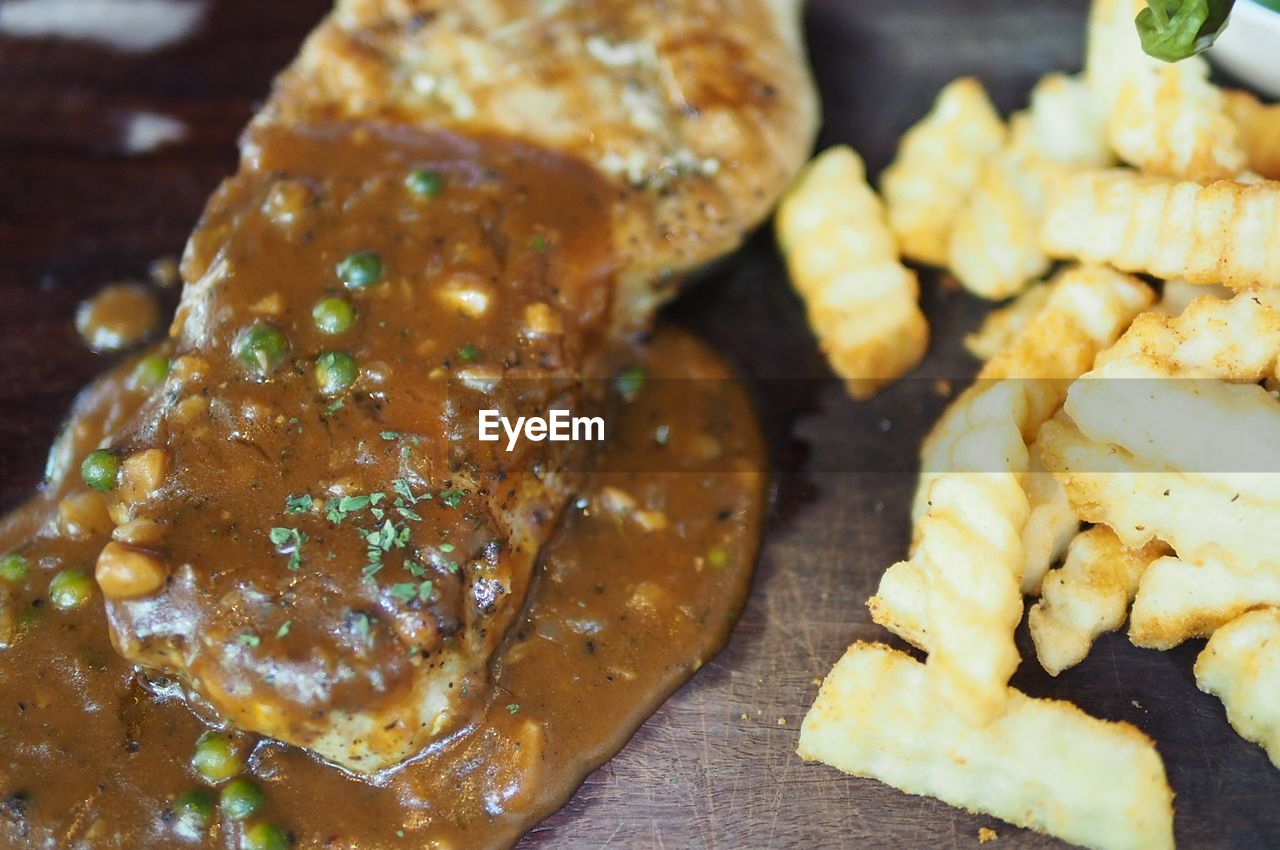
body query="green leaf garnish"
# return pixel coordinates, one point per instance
(453, 497)
(298, 504)
(1172, 30)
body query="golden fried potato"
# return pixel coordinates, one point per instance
(862, 303)
(1067, 124)
(1087, 596)
(995, 245)
(1178, 600)
(1222, 516)
(1193, 462)
(1224, 232)
(964, 574)
(981, 437)
(1241, 666)
(1233, 339)
(899, 603)
(1043, 764)
(1259, 126)
(1001, 326)
(1051, 523)
(994, 249)
(1089, 308)
(1166, 119)
(937, 166)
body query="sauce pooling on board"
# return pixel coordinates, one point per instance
(304, 535)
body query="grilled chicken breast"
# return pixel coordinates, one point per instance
(443, 208)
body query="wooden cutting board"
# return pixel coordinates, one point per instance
(716, 766)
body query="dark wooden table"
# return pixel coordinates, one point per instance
(716, 766)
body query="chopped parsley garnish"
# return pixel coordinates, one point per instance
(405, 591)
(248, 640)
(453, 497)
(468, 353)
(299, 504)
(361, 626)
(340, 507)
(446, 547)
(404, 493)
(284, 628)
(390, 435)
(424, 591)
(539, 243)
(513, 707)
(289, 542)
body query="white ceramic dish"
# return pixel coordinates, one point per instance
(1250, 47)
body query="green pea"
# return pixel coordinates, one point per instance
(99, 470)
(335, 372)
(194, 809)
(149, 372)
(629, 382)
(262, 348)
(241, 798)
(264, 836)
(216, 758)
(333, 316)
(13, 567)
(360, 269)
(70, 589)
(424, 182)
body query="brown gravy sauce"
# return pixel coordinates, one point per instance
(636, 588)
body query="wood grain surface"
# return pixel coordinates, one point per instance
(715, 768)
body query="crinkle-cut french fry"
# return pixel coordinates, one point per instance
(1002, 325)
(984, 433)
(1043, 764)
(862, 303)
(1259, 125)
(1113, 49)
(1194, 462)
(1051, 523)
(1088, 309)
(899, 603)
(994, 250)
(1164, 118)
(1224, 232)
(1178, 600)
(969, 550)
(1174, 122)
(1176, 295)
(1233, 339)
(1087, 596)
(1067, 124)
(995, 246)
(1241, 666)
(1220, 516)
(938, 164)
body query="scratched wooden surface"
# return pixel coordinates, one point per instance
(716, 766)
